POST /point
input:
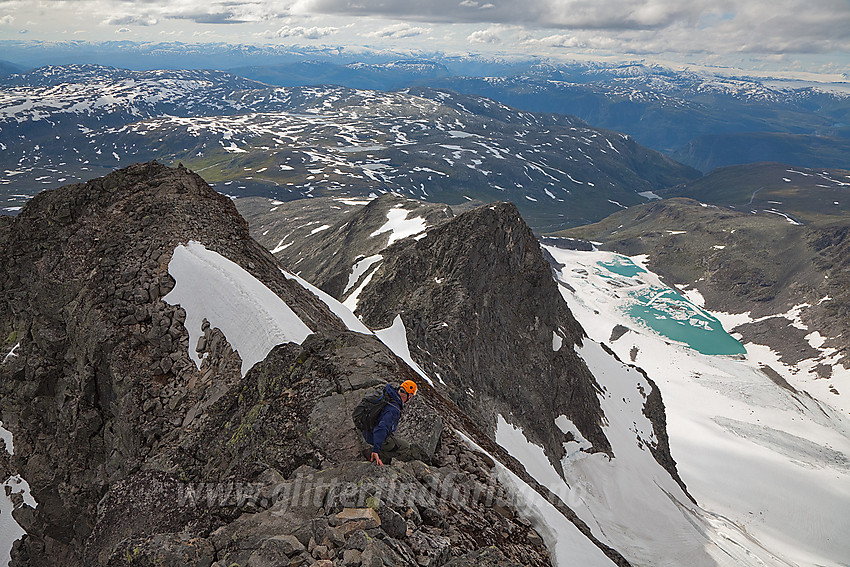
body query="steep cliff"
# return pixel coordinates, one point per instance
(483, 312)
(176, 398)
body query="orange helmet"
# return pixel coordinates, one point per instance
(409, 386)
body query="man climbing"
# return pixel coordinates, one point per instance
(378, 428)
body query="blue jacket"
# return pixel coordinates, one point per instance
(387, 421)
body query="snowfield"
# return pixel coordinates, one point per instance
(567, 545)
(399, 226)
(767, 462)
(252, 317)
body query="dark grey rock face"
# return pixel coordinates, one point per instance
(135, 455)
(481, 310)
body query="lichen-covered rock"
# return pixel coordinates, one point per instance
(486, 557)
(163, 549)
(275, 551)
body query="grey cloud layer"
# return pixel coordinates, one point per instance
(623, 26)
(578, 14)
(639, 25)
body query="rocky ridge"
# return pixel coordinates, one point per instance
(353, 229)
(458, 290)
(136, 455)
(482, 313)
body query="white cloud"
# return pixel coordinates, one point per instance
(307, 33)
(558, 40)
(131, 20)
(478, 5)
(497, 34)
(398, 31)
(123, 30)
(7, 20)
(483, 36)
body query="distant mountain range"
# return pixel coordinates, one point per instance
(68, 123)
(7, 68)
(388, 76)
(705, 119)
(702, 120)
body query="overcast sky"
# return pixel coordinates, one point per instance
(792, 35)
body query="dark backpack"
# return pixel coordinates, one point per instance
(368, 411)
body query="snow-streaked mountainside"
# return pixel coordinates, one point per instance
(305, 234)
(618, 419)
(762, 446)
(290, 142)
(704, 117)
(85, 93)
(799, 194)
(699, 118)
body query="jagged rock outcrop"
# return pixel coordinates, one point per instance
(483, 312)
(136, 455)
(483, 316)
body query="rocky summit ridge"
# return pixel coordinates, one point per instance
(143, 448)
(482, 313)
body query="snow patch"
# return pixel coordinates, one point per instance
(399, 226)
(10, 530)
(12, 353)
(567, 545)
(568, 428)
(360, 267)
(695, 297)
(281, 246)
(395, 337)
(6, 436)
(344, 313)
(252, 317)
(649, 195)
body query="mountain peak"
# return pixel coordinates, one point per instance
(133, 448)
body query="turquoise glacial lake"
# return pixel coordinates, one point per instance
(670, 314)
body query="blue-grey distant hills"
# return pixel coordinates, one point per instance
(379, 76)
(702, 120)
(61, 124)
(7, 68)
